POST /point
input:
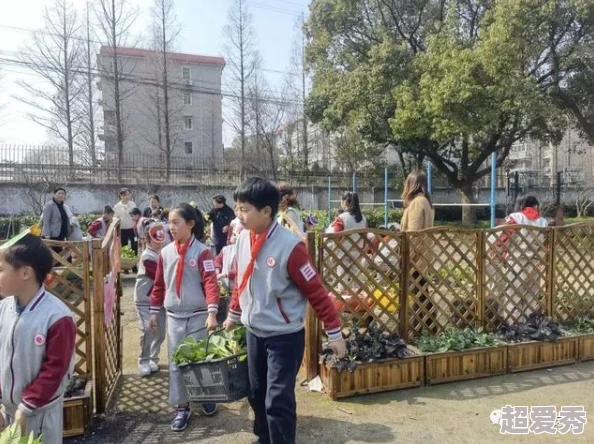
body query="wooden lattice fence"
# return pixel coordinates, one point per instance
(70, 281)
(83, 273)
(442, 277)
(107, 327)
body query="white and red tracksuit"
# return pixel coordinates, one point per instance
(98, 228)
(150, 342)
(224, 264)
(525, 264)
(36, 361)
(187, 298)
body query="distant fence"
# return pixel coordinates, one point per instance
(46, 164)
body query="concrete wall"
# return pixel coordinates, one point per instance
(16, 199)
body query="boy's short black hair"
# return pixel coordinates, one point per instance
(108, 210)
(124, 191)
(135, 212)
(258, 192)
(220, 199)
(59, 189)
(32, 252)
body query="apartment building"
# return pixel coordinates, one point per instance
(195, 107)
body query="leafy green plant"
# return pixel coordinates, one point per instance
(364, 347)
(127, 252)
(536, 328)
(454, 339)
(580, 325)
(12, 435)
(220, 345)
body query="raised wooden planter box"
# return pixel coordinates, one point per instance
(467, 364)
(534, 355)
(586, 347)
(78, 412)
(376, 377)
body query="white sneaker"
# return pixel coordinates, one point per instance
(144, 369)
(154, 367)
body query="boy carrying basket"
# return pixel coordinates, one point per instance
(275, 280)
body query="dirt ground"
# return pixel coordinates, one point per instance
(449, 413)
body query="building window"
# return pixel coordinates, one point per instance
(188, 147)
(187, 98)
(186, 73)
(188, 123)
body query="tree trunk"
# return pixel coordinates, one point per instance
(116, 92)
(90, 94)
(66, 50)
(468, 212)
(168, 147)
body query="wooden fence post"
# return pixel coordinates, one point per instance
(87, 254)
(98, 327)
(310, 357)
(552, 257)
(404, 269)
(481, 316)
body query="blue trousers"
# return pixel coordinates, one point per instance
(273, 366)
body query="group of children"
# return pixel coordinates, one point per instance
(177, 294)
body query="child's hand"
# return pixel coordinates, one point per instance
(338, 348)
(211, 321)
(154, 322)
(21, 420)
(229, 324)
(221, 276)
(2, 420)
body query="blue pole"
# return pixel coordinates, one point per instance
(329, 199)
(354, 182)
(493, 187)
(430, 177)
(386, 198)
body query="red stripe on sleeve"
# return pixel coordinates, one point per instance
(59, 348)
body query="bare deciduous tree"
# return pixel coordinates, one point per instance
(584, 199)
(88, 105)
(165, 32)
(115, 20)
(55, 54)
(242, 60)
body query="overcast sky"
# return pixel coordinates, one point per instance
(276, 23)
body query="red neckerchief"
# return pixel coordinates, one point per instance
(181, 262)
(256, 244)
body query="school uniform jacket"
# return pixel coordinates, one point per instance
(36, 353)
(346, 221)
(282, 282)
(98, 228)
(199, 290)
(145, 279)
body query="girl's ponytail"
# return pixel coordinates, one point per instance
(352, 203)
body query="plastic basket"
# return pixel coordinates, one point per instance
(221, 380)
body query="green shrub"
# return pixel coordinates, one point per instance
(9, 226)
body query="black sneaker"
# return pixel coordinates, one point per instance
(209, 409)
(182, 416)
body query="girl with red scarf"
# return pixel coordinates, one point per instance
(186, 286)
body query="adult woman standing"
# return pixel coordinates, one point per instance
(55, 221)
(418, 215)
(289, 215)
(418, 209)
